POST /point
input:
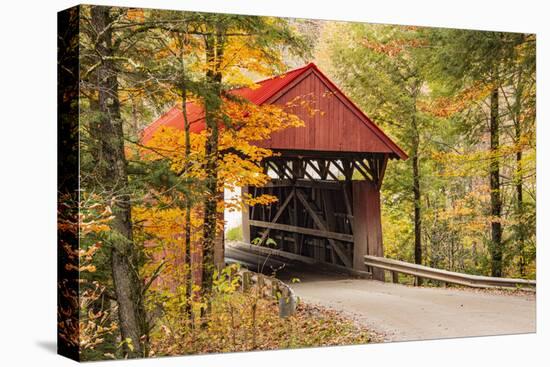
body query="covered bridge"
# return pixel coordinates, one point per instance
(327, 177)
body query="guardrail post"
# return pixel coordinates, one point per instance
(261, 281)
(246, 281)
(287, 304)
(260, 284)
(395, 277)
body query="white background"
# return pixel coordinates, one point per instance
(28, 182)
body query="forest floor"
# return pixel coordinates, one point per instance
(349, 330)
(233, 327)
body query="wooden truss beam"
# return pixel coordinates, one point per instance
(317, 184)
(316, 169)
(302, 230)
(327, 169)
(382, 171)
(322, 226)
(371, 168)
(277, 215)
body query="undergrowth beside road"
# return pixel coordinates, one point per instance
(239, 322)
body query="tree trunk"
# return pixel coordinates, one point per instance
(112, 171)
(188, 206)
(214, 55)
(417, 212)
(496, 199)
(417, 196)
(519, 208)
(520, 227)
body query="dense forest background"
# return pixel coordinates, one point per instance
(461, 103)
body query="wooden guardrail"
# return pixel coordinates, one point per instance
(269, 287)
(265, 251)
(420, 271)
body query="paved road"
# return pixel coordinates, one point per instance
(402, 312)
(408, 313)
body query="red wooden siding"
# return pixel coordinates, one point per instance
(367, 225)
(335, 127)
(338, 126)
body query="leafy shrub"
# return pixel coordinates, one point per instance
(235, 234)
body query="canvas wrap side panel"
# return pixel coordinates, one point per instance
(68, 182)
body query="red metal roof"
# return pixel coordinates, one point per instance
(268, 87)
(195, 114)
(174, 118)
(270, 90)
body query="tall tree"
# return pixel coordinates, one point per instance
(105, 138)
(518, 94)
(481, 60)
(377, 66)
(262, 37)
(196, 57)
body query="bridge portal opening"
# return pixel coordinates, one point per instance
(328, 207)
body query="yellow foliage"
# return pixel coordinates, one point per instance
(162, 225)
(394, 47)
(238, 164)
(447, 106)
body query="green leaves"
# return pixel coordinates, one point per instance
(428, 88)
(128, 343)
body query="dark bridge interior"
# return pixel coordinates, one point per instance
(328, 207)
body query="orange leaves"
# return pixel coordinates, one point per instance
(394, 47)
(136, 14)
(162, 230)
(239, 163)
(89, 268)
(242, 60)
(447, 106)
(235, 171)
(264, 199)
(162, 224)
(165, 225)
(259, 122)
(254, 123)
(92, 217)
